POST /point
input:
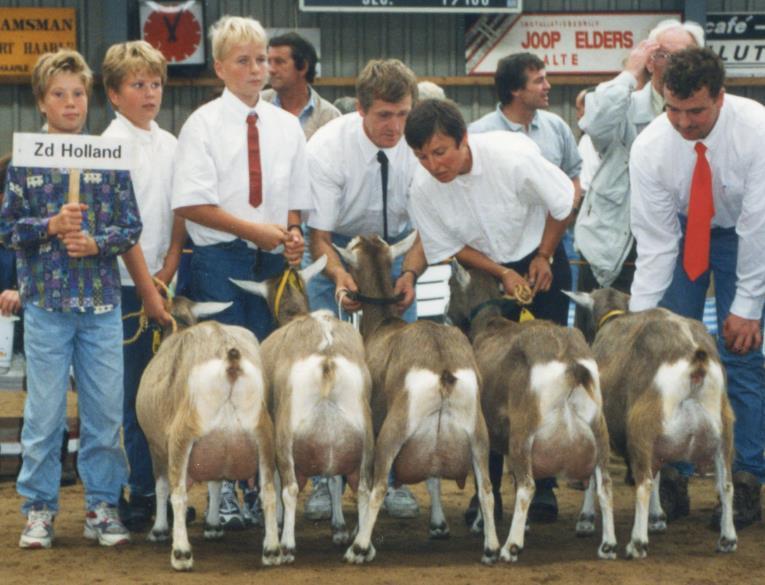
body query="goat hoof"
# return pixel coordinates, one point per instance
(490, 556)
(340, 535)
(657, 523)
(476, 528)
(511, 554)
(181, 560)
(158, 535)
(211, 532)
(637, 549)
(585, 525)
(607, 551)
(439, 531)
(357, 555)
(272, 556)
(288, 554)
(727, 545)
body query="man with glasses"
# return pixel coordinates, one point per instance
(615, 113)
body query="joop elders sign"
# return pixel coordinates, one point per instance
(27, 33)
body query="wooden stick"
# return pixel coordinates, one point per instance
(74, 186)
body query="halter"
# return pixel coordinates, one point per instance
(143, 320)
(291, 277)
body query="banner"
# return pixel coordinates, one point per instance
(27, 33)
(71, 151)
(739, 39)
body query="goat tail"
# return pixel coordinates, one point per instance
(233, 366)
(699, 366)
(327, 377)
(446, 382)
(578, 375)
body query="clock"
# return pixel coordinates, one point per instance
(175, 29)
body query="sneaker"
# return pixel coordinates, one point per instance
(544, 506)
(252, 511)
(230, 513)
(318, 506)
(747, 506)
(103, 524)
(38, 533)
(400, 503)
(673, 493)
(137, 513)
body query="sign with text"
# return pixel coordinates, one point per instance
(739, 39)
(27, 33)
(458, 6)
(71, 151)
(567, 42)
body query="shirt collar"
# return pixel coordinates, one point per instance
(369, 149)
(712, 140)
(238, 108)
(307, 109)
(512, 126)
(140, 133)
(477, 166)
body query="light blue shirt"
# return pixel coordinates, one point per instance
(553, 136)
(305, 115)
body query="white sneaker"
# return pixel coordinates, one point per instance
(38, 533)
(318, 506)
(231, 517)
(103, 524)
(400, 503)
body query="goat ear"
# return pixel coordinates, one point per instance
(200, 310)
(582, 299)
(402, 247)
(461, 275)
(347, 254)
(312, 270)
(256, 288)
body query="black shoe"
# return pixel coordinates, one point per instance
(472, 510)
(673, 493)
(137, 513)
(747, 506)
(191, 513)
(544, 507)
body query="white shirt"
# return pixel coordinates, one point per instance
(499, 207)
(590, 161)
(212, 168)
(661, 169)
(152, 176)
(347, 185)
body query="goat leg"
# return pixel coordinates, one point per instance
(181, 558)
(728, 540)
(479, 447)
(160, 531)
(439, 529)
(263, 436)
(212, 528)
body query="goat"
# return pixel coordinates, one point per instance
(202, 406)
(320, 388)
(542, 402)
(665, 400)
(425, 401)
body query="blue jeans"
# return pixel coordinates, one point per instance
(321, 290)
(746, 377)
(93, 345)
(211, 268)
(136, 357)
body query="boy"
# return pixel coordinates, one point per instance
(69, 286)
(240, 181)
(134, 74)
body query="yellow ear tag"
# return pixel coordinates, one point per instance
(156, 339)
(526, 315)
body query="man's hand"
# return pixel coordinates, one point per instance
(405, 284)
(10, 302)
(636, 62)
(511, 279)
(540, 274)
(69, 219)
(154, 306)
(345, 282)
(294, 247)
(165, 274)
(268, 236)
(79, 244)
(741, 335)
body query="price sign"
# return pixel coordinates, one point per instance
(455, 6)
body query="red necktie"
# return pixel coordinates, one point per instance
(701, 209)
(253, 157)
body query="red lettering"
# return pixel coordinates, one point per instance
(628, 42)
(610, 39)
(546, 40)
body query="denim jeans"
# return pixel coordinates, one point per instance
(136, 357)
(92, 343)
(321, 290)
(211, 268)
(746, 377)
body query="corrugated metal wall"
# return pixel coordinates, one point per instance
(431, 45)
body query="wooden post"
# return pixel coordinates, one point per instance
(74, 186)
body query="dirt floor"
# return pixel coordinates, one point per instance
(553, 554)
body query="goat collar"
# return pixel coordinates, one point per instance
(365, 300)
(608, 316)
(501, 303)
(291, 277)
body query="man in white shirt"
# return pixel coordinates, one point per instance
(689, 225)
(360, 174)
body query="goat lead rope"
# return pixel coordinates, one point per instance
(143, 320)
(608, 316)
(291, 277)
(523, 296)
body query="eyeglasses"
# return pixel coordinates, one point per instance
(661, 56)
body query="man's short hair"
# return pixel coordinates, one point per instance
(134, 57)
(692, 28)
(345, 104)
(303, 52)
(388, 80)
(431, 116)
(62, 61)
(235, 30)
(691, 69)
(511, 75)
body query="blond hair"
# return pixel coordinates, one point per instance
(62, 61)
(123, 59)
(388, 80)
(234, 30)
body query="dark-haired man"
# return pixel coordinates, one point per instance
(697, 208)
(292, 68)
